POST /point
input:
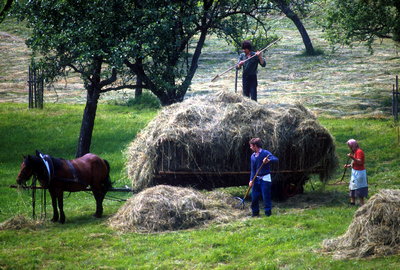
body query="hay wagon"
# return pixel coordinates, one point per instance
(288, 176)
(203, 142)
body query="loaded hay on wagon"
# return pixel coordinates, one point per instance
(203, 142)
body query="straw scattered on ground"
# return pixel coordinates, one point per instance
(166, 208)
(374, 231)
(19, 222)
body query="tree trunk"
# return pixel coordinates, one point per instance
(138, 91)
(89, 115)
(306, 39)
(165, 97)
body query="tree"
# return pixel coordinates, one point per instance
(164, 30)
(349, 21)
(104, 40)
(5, 6)
(289, 8)
(77, 36)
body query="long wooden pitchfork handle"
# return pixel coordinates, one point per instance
(219, 75)
(341, 180)
(248, 189)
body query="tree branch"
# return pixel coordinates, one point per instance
(123, 87)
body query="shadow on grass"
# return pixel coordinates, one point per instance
(315, 199)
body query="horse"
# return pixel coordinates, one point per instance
(59, 175)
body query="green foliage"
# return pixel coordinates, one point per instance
(158, 41)
(5, 6)
(73, 36)
(350, 21)
(145, 101)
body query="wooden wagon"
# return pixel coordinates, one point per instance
(288, 176)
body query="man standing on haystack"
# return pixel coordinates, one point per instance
(249, 80)
(262, 183)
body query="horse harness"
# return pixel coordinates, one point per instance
(50, 170)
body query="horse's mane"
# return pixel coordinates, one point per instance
(37, 162)
(57, 163)
(32, 161)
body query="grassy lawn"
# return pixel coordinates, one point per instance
(349, 91)
(289, 239)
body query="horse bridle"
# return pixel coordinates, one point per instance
(25, 176)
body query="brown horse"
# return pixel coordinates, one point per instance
(59, 175)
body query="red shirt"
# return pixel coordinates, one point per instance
(359, 154)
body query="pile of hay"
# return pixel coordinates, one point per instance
(18, 222)
(211, 134)
(167, 208)
(374, 231)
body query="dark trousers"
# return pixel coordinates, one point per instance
(250, 86)
(264, 188)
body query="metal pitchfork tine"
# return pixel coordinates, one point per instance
(247, 192)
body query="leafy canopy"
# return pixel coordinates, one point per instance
(349, 21)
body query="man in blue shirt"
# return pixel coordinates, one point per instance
(262, 183)
(250, 64)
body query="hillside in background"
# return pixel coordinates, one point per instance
(343, 82)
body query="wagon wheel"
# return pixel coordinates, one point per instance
(289, 190)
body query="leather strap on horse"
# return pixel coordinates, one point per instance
(49, 167)
(76, 179)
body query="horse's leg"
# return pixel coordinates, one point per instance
(99, 197)
(61, 205)
(54, 204)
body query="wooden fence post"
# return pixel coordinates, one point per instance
(36, 87)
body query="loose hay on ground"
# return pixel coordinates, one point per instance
(211, 134)
(167, 208)
(18, 222)
(374, 231)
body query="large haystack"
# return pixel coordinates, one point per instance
(374, 231)
(207, 137)
(167, 208)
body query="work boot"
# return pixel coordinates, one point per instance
(268, 213)
(254, 214)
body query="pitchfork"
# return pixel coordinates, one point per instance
(341, 180)
(219, 75)
(247, 192)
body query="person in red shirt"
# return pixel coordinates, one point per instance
(358, 182)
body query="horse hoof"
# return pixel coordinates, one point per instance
(53, 220)
(96, 215)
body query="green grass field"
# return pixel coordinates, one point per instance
(290, 239)
(348, 90)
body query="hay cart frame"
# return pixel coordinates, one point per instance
(286, 182)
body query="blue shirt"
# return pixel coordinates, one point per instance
(256, 162)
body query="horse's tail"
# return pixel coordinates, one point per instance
(107, 184)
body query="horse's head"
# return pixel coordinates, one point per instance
(26, 171)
